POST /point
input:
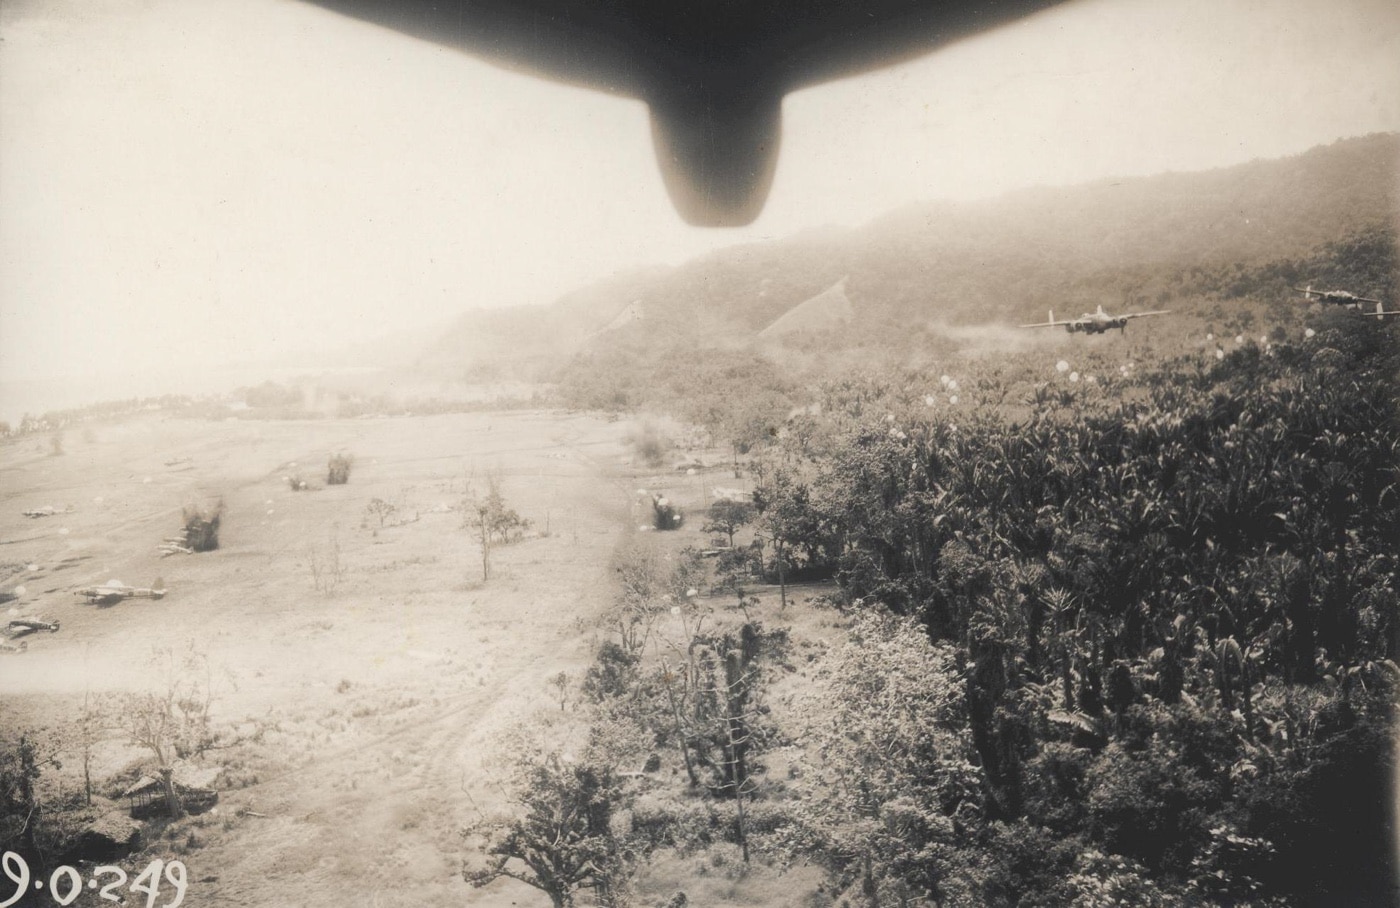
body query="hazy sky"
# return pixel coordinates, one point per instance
(229, 179)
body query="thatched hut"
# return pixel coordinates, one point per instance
(146, 796)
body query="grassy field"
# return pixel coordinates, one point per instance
(366, 711)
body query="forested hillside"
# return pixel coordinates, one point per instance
(1243, 232)
(1125, 240)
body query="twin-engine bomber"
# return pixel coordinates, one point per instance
(1096, 322)
(1337, 297)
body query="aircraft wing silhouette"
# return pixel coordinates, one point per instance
(713, 72)
(1145, 314)
(1342, 295)
(1052, 323)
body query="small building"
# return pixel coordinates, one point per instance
(146, 796)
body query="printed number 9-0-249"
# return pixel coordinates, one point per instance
(66, 883)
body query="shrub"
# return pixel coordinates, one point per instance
(611, 674)
(338, 469)
(1147, 805)
(328, 570)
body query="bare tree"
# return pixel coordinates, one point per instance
(738, 737)
(89, 730)
(380, 510)
(172, 720)
(328, 571)
(491, 520)
(560, 683)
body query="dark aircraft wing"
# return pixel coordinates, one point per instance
(714, 72)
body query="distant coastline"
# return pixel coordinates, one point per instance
(43, 395)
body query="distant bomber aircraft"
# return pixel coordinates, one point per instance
(1336, 297)
(713, 72)
(1096, 322)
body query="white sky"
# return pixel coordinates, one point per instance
(220, 180)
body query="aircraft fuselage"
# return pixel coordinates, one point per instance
(1090, 324)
